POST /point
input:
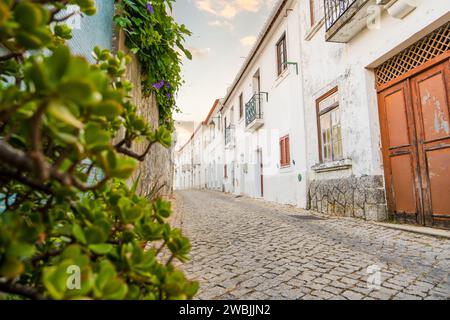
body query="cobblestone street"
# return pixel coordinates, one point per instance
(250, 249)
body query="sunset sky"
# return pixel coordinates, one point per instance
(223, 34)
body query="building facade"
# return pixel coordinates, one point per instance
(342, 107)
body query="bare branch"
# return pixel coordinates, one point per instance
(11, 56)
(132, 154)
(24, 291)
(36, 143)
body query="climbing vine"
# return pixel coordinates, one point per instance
(157, 40)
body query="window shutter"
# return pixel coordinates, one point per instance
(281, 151)
(288, 152)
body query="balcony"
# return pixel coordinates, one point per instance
(229, 136)
(254, 112)
(345, 18)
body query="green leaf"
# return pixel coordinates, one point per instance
(62, 113)
(109, 109)
(96, 138)
(77, 90)
(115, 289)
(11, 268)
(124, 167)
(28, 15)
(95, 234)
(59, 62)
(101, 249)
(78, 233)
(55, 280)
(106, 273)
(132, 214)
(20, 250)
(63, 31)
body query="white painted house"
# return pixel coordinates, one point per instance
(342, 106)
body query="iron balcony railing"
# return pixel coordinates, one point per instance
(334, 9)
(253, 109)
(229, 134)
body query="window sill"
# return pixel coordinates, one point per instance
(332, 166)
(282, 76)
(314, 29)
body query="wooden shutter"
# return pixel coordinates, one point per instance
(281, 152)
(285, 157)
(287, 151)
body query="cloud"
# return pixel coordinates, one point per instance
(221, 24)
(230, 8)
(199, 52)
(248, 41)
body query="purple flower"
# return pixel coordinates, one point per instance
(158, 85)
(168, 85)
(150, 8)
(168, 96)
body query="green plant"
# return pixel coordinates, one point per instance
(67, 206)
(156, 39)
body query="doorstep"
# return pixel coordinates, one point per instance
(417, 229)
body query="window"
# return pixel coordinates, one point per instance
(225, 173)
(285, 156)
(281, 54)
(329, 127)
(241, 106)
(317, 10)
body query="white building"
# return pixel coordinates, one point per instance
(342, 106)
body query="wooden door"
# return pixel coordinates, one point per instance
(431, 101)
(414, 120)
(400, 153)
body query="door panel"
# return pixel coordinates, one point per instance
(397, 119)
(431, 91)
(438, 171)
(403, 184)
(433, 106)
(399, 152)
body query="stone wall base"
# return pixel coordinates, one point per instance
(359, 197)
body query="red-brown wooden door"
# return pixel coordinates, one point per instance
(414, 120)
(431, 101)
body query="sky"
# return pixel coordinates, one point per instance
(223, 33)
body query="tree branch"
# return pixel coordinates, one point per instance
(132, 154)
(11, 55)
(24, 291)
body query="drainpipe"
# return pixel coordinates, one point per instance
(302, 90)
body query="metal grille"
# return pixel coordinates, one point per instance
(422, 51)
(253, 109)
(229, 136)
(334, 9)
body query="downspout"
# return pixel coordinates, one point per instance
(302, 90)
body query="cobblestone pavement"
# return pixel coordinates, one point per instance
(251, 249)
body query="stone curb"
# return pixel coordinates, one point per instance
(441, 233)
